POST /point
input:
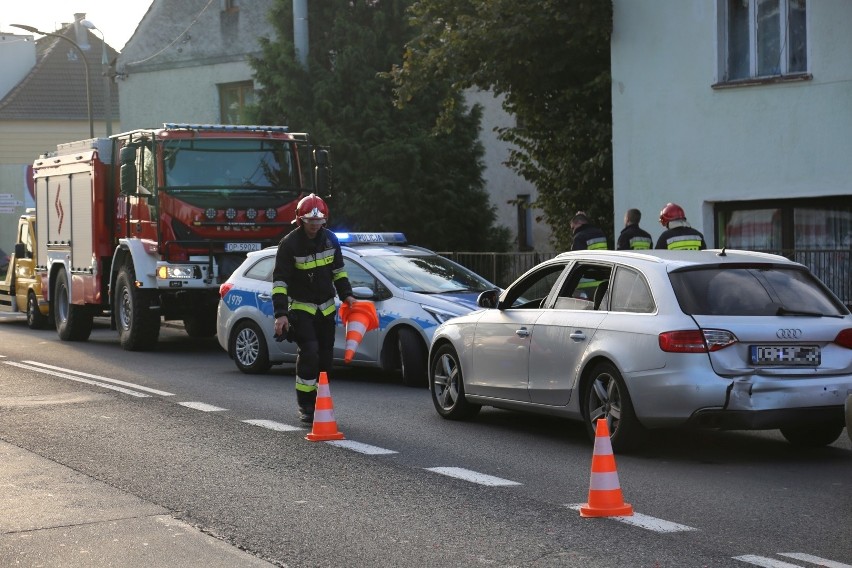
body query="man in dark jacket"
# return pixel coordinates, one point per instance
(632, 237)
(679, 235)
(308, 272)
(586, 235)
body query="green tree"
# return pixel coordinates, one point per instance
(550, 59)
(391, 172)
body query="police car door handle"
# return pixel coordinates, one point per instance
(523, 332)
(264, 297)
(578, 335)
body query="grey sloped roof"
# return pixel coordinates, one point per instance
(55, 89)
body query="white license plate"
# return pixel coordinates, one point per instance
(808, 355)
(241, 247)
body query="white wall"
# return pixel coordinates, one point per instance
(17, 58)
(675, 138)
(187, 94)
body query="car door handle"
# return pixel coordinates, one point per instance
(578, 336)
(264, 297)
(523, 332)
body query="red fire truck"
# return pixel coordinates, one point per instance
(144, 226)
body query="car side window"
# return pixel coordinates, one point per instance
(585, 288)
(630, 292)
(533, 289)
(358, 275)
(262, 269)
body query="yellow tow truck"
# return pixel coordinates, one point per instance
(21, 285)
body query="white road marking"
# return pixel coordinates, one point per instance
(277, 426)
(77, 379)
(99, 378)
(359, 447)
(472, 476)
(814, 559)
(765, 562)
(646, 522)
(202, 406)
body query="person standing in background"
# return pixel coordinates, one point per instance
(632, 237)
(679, 235)
(586, 235)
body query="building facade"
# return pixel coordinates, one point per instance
(740, 111)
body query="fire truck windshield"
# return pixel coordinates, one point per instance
(230, 163)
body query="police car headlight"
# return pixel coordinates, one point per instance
(178, 271)
(440, 315)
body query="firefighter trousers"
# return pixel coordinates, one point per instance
(314, 335)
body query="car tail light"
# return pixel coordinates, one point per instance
(696, 341)
(225, 288)
(844, 338)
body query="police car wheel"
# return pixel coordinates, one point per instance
(412, 358)
(248, 348)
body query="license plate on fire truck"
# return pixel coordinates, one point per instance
(241, 247)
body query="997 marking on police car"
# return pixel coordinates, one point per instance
(806, 355)
(241, 247)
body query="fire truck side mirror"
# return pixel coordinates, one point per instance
(127, 158)
(322, 181)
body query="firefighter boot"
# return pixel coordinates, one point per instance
(306, 402)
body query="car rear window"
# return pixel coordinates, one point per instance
(752, 291)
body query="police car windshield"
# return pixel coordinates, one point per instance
(428, 274)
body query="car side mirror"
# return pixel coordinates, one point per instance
(363, 293)
(127, 159)
(488, 299)
(20, 250)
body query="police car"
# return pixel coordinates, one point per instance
(414, 290)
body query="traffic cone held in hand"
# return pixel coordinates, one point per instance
(359, 319)
(605, 498)
(325, 427)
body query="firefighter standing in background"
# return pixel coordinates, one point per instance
(632, 237)
(679, 235)
(586, 235)
(308, 272)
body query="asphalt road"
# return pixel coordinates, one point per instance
(702, 499)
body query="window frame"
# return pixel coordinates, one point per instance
(753, 76)
(240, 89)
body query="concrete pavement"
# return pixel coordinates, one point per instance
(53, 516)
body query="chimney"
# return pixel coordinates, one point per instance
(80, 32)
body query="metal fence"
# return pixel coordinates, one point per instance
(833, 267)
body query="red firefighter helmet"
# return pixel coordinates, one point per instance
(671, 212)
(311, 207)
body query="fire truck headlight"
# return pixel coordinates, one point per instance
(271, 213)
(231, 213)
(210, 213)
(251, 213)
(178, 271)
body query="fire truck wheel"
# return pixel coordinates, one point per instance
(35, 319)
(73, 323)
(138, 325)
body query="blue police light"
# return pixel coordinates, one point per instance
(376, 238)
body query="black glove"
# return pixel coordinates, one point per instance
(290, 334)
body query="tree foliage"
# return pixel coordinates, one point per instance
(391, 171)
(550, 59)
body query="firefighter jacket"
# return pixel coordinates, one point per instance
(681, 237)
(634, 238)
(308, 272)
(589, 237)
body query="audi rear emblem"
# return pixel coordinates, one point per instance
(787, 333)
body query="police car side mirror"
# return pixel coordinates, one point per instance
(363, 293)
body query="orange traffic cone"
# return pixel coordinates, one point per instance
(359, 319)
(325, 427)
(605, 498)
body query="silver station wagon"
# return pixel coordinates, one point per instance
(719, 339)
(414, 289)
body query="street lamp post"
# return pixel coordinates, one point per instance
(107, 79)
(33, 30)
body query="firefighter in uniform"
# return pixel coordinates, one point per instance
(631, 236)
(308, 272)
(586, 235)
(679, 235)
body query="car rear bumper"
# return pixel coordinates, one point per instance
(698, 396)
(765, 419)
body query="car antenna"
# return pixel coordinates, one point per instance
(723, 252)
